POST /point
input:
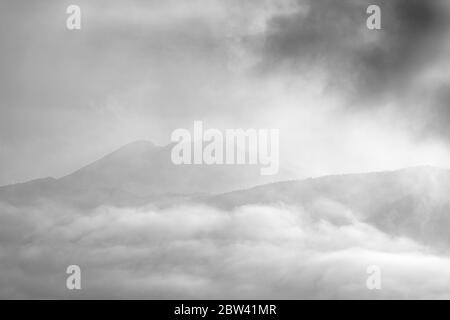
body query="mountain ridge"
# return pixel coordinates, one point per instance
(411, 202)
(134, 172)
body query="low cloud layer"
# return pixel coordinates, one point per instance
(201, 252)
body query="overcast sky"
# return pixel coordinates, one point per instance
(345, 98)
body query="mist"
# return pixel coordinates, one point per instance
(201, 252)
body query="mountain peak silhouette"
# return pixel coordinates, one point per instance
(137, 171)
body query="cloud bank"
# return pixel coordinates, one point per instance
(198, 252)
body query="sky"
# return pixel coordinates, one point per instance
(345, 98)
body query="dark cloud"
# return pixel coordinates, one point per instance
(370, 67)
(332, 36)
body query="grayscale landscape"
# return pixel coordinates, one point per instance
(297, 239)
(348, 99)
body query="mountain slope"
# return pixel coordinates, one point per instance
(142, 168)
(137, 173)
(411, 202)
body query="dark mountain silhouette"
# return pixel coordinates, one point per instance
(135, 174)
(411, 202)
